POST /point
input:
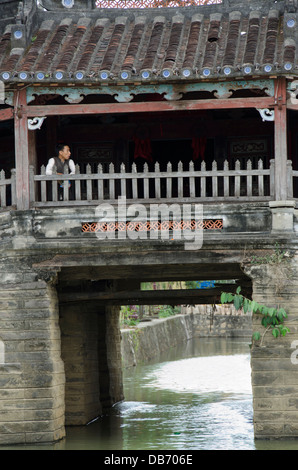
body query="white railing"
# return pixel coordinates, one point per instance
(7, 189)
(161, 186)
(292, 182)
(172, 185)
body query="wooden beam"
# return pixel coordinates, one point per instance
(145, 107)
(152, 297)
(21, 151)
(6, 114)
(280, 140)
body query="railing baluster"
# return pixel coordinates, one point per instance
(111, 182)
(294, 182)
(272, 179)
(2, 189)
(123, 180)
(31, 184)
(192, 188)
(88, 183)
(65, 186)
(13, 186)
(237, 179)
(134, 182)
(43, 185)
(55, 190)
(157, 181)
(169, 180)
(180, 179)
(226, 179)
(55, 184)
(146, 182)
(214, 179)
(249, 178)
(203, 180)
(100, 193)
(77, 184)
(260, 179)
(289, 179)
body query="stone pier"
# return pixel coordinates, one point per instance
(60, 363)
(274, 360)
(32, 378)
(91, 354)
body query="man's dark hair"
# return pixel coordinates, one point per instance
(59, 147)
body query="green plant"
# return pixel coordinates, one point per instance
(272, 317)
(167, 311)
(278, 256)
(129, 315)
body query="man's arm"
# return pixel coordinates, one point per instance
(72, 168)
(50, 166)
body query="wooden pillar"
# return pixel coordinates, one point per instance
(280, 140)
(21, 150)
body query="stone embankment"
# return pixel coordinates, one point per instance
(150, 338)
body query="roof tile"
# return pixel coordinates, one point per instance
(153, 41)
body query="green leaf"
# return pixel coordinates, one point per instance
(253, 306)
(284, 331)
(275, 332)
(238, 299)
(245, 305)
(282, 312)
(271, 311)
(279, 316)
(256, 336)
(271, 316)
(263, 309)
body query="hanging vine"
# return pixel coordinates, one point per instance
(272, 317)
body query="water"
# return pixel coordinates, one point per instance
(203, 400)
(194, 397)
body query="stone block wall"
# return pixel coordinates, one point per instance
(220, 321)
(32, 376)
(274, 360)
(91, 353)
(79, 327)
(113, 357)
(149, 339)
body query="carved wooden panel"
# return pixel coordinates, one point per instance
(152, 3)
(93, 154)
(249, 149)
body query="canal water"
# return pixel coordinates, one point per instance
(194, 397)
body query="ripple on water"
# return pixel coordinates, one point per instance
(131, 407)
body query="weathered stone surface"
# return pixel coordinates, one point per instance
(149, 339)
(273, 360)
(63, 360)
(32, 378)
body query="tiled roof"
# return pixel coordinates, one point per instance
(153, 45)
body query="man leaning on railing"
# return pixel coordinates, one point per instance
(59, 162)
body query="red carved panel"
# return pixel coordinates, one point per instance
(148, 226)
(152, 3)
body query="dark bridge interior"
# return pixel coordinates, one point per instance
(121, 285)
